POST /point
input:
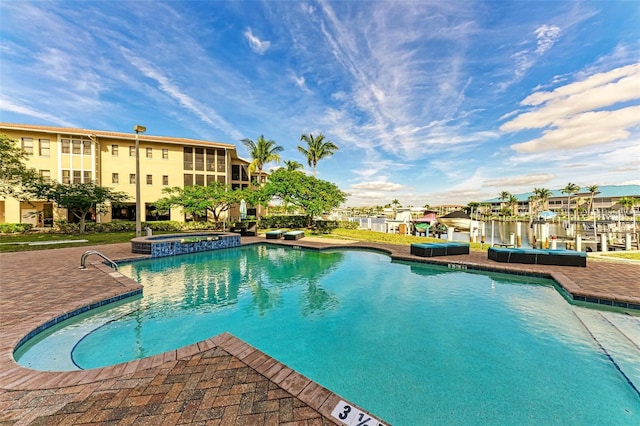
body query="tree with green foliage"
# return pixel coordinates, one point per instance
(313, 196)
(317, 149)
(14, 173)
(293, 165)
(593, 190)
(570, 189)
(78, 198)
(198, 201)
(263, 151)
(512, 202)
(628, 203)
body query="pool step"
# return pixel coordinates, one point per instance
(619, 337)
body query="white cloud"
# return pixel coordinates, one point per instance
(593, 111)
(547, 36)
(381, 185)
(530, 180)
(255, 43)
(9, 106)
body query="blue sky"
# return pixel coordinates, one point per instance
(430, 102)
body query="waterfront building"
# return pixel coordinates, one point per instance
(605, 202)
(106, 158)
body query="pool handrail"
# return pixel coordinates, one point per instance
(83, 259)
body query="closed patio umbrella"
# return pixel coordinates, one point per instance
(243, 209)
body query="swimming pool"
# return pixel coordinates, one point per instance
(412, 343)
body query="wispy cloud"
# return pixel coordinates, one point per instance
(593, 111)
(8, 106)
(257, 45)
(204, 113)
(546, 36)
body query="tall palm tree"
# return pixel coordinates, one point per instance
(504, 196)
(513, 203)
(262, 152)
(570, 189)
(593, 190)
(541, 196)
(317, 149)
(293, 165)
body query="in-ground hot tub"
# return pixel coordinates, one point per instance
(172, 244)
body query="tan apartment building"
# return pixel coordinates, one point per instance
(70, 155)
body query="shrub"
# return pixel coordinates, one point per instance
(283, 221)
(11, 228)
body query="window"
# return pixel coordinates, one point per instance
(149, 152)
(222, 180)
(235, 172)
(132, 151)
(149, 179)
(199, 158)
(245, 175)
(44, 147)
(210, 179)
(221, 160)
(65, 146)
(165, 154)
(115, 177)
(86, 147)
(188, 158)
(45, 175)
(200, 180)
(188, 180)
(87, 176)
(66, 176)
(210, 160)
(165, 180)
(132, 178)
(114, 150)
(27, 145)
(77, 176)
(75, 144)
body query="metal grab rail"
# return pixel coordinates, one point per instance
(83, 259)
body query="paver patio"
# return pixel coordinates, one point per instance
(219, 381)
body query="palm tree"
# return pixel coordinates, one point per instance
(513, 203)
(504, 196)
(317, 149)
(570, 189)
(293, 165)
(593, 190)
(540, 199)
(628, 203)
(262, 152)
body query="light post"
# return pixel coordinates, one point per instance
(138, 129)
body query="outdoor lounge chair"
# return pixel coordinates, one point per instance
(250, 231)
(538, 257)
(275, 234)
(439, 249)
(293, 235)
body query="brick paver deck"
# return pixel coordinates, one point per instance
(218, 381)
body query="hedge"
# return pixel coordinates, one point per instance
(12, 228)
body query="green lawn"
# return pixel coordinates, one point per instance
(93, 239)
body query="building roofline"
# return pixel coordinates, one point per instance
(113, 135)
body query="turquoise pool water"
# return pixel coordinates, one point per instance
(412, 343)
